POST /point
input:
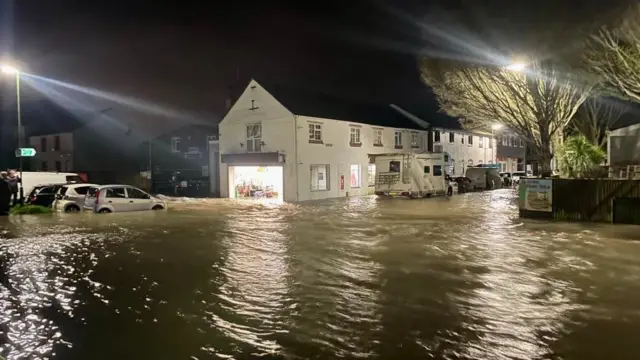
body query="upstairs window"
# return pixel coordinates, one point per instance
(56, 143)
(470, 140)
(377, 137)
(480, 141)
(436, 136)
(315, 133)
(415, 140)
(452, 138)
(254, 137)
(43, 144)
(397, 139)
(355, 136)
(175, 144)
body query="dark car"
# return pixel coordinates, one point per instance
(464, 184)
(43, 195)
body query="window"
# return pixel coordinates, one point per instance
(414, 140)
(481, 141)
(315, 133)
(56, 143)
(427, 169)
(513, 141)
(137, 194)
(437, 170)
(462, 139)
(81, 190)
(175, 144)
(479, 162)
(355, 136)
(319, 177)
(505, 140)
(397, 139)
(117, 192)
(470, 140)
(394, 166)
(355, 176)
(490, 143)
(377, 137)
(44, 166)
(73, 179)
(436, 136)
(43, 144)
(58, 166)
(452, 137)
(521, 143)
(254, 137)
(446, 158)
(47, 190)
(372, 174)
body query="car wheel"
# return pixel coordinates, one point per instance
(72, 209)
(157, 207)
(104, 211)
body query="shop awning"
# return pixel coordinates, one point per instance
(263, 158)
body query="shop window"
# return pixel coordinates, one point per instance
(394, 166)
(355, 176)
(372, 174)
(319, 177)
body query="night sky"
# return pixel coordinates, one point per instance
(186, 55)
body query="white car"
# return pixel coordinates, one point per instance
(70, 198)
(119, 198)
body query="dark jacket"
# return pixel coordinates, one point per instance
(5, 197)
(13, 184)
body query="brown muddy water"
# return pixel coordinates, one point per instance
(360, 278)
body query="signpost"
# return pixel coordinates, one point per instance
(25, 152)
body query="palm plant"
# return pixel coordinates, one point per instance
(580, 158)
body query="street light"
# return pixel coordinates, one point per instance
(11, 70)
(516, 67)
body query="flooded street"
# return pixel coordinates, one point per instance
(360, 278)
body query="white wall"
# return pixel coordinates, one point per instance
(50, 155)
(277, 134)
(336, 151)
(462, 153)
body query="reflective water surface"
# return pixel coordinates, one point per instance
(360, 278)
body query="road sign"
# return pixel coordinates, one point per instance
(25, 152)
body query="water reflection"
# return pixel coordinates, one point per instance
(459, 278)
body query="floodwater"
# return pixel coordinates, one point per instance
(360, 278)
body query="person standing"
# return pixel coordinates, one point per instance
(13, 180)
(5, 194)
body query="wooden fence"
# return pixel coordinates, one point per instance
(593, 200)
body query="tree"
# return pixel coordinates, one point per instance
(580, 157)
(614, 54)
(536, 103)
(596, 115)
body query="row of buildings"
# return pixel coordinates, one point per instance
(274, 141)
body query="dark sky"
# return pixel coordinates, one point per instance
(185, 55)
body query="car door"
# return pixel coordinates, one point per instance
(116, 198)
(78, 194)
(140, 200)
(45, 196)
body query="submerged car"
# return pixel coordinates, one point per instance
(120, 198)
(70, 198)
(43, 195)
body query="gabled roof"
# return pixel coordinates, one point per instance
(305, 101)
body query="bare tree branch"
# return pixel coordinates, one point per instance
(537, 103)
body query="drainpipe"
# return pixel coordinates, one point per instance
(295, 154)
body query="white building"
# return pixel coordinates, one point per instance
(298, 147)
(463, 148)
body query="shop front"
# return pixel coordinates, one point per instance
(255, 175)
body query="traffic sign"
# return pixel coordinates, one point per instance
(25, 152)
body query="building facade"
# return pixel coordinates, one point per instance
(54, 152)
(511, 152)
(463, 148)
(275, 144)
(179, 160)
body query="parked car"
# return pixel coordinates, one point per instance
(506, 178)
(70, 198)
(119, 198)
(464, 184)
(43, 195)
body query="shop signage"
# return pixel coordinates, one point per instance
(536, 194)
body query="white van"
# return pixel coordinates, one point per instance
(31, 179)
(484, 178)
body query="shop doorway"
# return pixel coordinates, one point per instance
(256, 182)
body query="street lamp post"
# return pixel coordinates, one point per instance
(14, 71)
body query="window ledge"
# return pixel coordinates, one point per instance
(378, 145)
(319, 190)
(398, 147)
(415, 147)
(315, 142)
(355, 144)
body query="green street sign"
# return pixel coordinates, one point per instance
(25, 152)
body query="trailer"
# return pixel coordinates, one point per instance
(413, 175)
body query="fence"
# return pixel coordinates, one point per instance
(600, 200)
